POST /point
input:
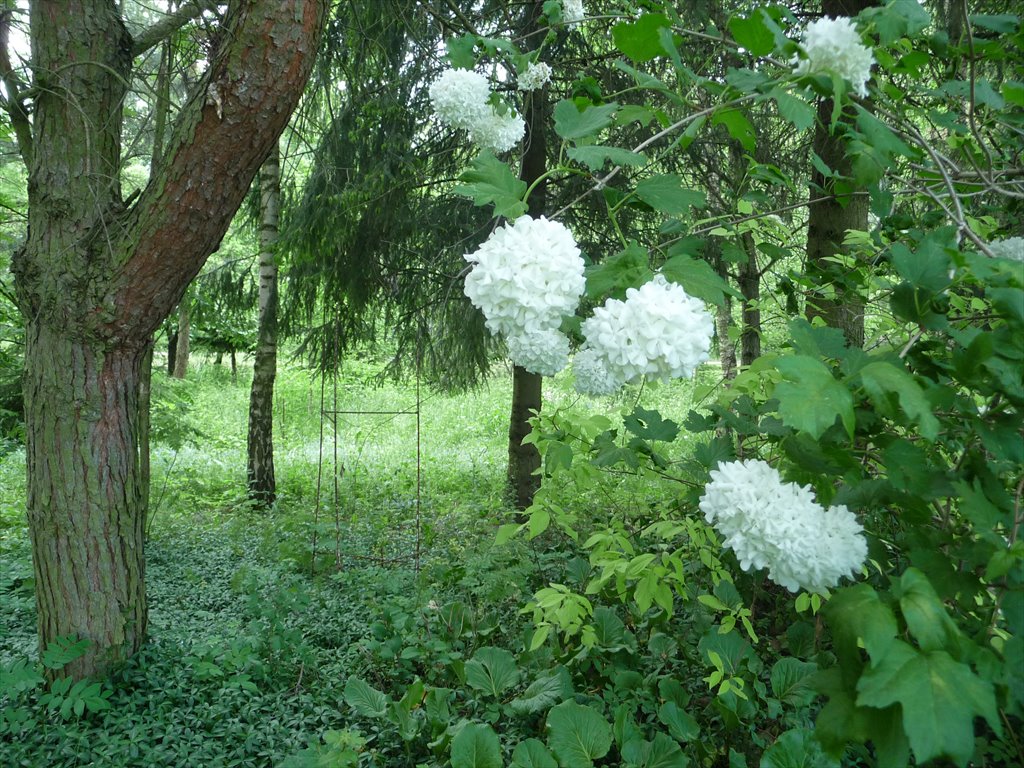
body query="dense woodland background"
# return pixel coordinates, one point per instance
(270, 493)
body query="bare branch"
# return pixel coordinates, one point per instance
(170, 24)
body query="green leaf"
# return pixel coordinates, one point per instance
(738, 126)
(857, 614)
(578, 735)
(460, 51)
(794, 109)
(639, 40)
(811, 398)
(571, 123)
(669, 194)
(532, 754)
(925, 615)
(791, 681)
(626, 269)
(543, 692)
(940, 698)
(594, 156)
(365, 699)
(492, 181)
(1002, 23)
(681, 724)
(660, 753)
(753, 33)
(881, 379)
(492, 670)
(476, 746)
(63, 650)
(797, 749)
(650, 425)
(698, 279)
(897, 19)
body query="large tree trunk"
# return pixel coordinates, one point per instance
(95, 279)
(833, 213)
(260, 469)
(184, 339)
(523, 458)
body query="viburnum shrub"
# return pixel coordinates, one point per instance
(883, 483)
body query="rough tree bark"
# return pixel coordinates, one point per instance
(95, 279)
(260, 467)
(833, 212)
(184, 339)
(523, 458)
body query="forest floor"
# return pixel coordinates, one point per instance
(257, 620)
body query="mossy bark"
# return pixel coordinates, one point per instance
(95, 279)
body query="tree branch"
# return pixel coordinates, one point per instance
(170, 24)
(14, 104)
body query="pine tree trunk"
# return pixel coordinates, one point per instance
(749, 281)
(95, 279)
(84, 496)
(260, 470)
(523, 458)
(833, 213)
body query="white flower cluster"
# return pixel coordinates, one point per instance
(592, 375)
(534, 77)
(461, 99)
(834, 45)
(572, 11)
(526, 276)
(1010, 248)
(658, 331)
(769, 523)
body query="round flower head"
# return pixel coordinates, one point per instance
(1010, 248)
(459, 97)
(572, 11)
(658, 331)
(833, 45)
(535, 76)
(544, 351)
(499, 133)
(776, 525)
(526, 276)
(592, 377)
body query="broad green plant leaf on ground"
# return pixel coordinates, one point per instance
(492, 670)
(476, 746)
(532, 754)
(662, 752)
(578, 735)
(365, 699)
(940, 698)
(811, 398)
(797, 749)
(544, 692)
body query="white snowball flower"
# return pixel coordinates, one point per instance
(592, 376)
(658, 331)
(776, 525)
(499, 133)
(1010, 248)
(572, 11)
(543, 351)
(834, 45)
(459, 97)
(526, 276)
(534, 77)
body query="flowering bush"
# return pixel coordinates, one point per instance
(526, 276)
(776, 525)
(534, 77)
(833, 45)
(461, 99)
(658, 331)
(572, 10)
(592, 376)
(1010, 248)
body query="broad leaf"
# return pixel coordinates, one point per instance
(940, 698)
(650, 425)
(811, 398)
(639, 40)
(669, 194)
(626, 269)
(698, 279)
(492, 670)
(532, 754)
(791, 681)
(660, 753)
(794, 109)
(571, 123)
(881, 379)
(857, 613)
(753, 33)
(365, 699)
(738, 126)
(491, 181)
(476, 746)
(543, 692)
(595, 156)
(797, 749)
(681, 724)
(578, 735)
(925, 614)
